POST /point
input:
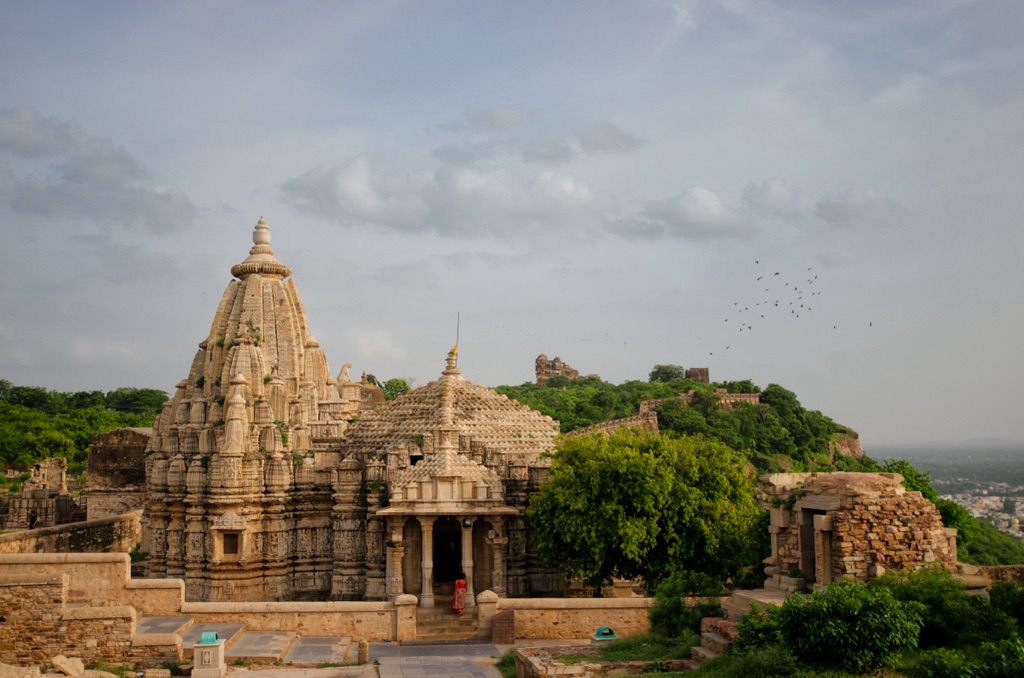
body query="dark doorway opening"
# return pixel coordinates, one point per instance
(447, 550)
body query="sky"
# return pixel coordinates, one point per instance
(821, 195)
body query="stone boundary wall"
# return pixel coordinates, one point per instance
(119, 534)
(1012, 573)
(372, 621)
(647, 421)
(576, 617)
(38, 625)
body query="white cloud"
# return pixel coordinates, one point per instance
(775, 199)
(697, 214)
(54, 169)
(450, 201)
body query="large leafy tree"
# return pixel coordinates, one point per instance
(635, 504)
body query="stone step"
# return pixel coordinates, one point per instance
(726, 627)
(715, 642)
(701, 654)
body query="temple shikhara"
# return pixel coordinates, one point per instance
(267, 479)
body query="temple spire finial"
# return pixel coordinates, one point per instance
(261, 257)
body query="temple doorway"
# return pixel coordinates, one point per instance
(447, 553)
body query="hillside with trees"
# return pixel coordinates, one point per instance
(36, 423)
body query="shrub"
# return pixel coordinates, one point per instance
(682, 600)
(760, 628)
(952, 617)
(850, 626)
(943, 663)
(1009, 598)
(1004, 659)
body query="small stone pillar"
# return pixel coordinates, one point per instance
(208, 660)
(427, 562)
(405, 617)
(363, 652)
(486, 607)
(467, 560)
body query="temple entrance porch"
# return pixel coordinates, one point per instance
(426, 554)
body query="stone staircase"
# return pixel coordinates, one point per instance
(718, 634)
(441, 625)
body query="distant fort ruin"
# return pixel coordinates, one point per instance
(546, 369)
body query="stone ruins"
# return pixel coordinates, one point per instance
(269, 480)
(827, 527)
(116, 472)
(43, 499)
(546, 369)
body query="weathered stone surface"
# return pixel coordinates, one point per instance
(69, 666)
(831, 526)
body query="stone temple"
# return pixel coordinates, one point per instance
(269, 480)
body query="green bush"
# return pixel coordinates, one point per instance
(681, 601)
(1004, 659)
(952, 618)
(943, 663)
(850, 626)
(760, 628)
(1009, 598)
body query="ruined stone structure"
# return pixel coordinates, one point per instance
(269, 480)
(828, 527)
(45, 495)
(116, 472)
(546, 369)
(701, 375)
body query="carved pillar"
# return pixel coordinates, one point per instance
(467, 560)
(497, 540)
(427, 562)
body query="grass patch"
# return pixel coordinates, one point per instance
(116, 669)
(241, 662)
(507, 664)
(649, 647)
(332, 665)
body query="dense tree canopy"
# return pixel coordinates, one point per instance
(36, 423)
(635, 504)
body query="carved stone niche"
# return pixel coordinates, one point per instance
(229, 538)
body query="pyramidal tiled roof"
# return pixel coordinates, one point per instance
(501, 424)
(446, 465)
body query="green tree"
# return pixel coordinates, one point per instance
(666, 373)
(635, 504)
(395, 387)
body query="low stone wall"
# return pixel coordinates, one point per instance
(365, 621)
(1014, 573)
(107, 535)
(38, 625)
(576, 617)
(93, 578)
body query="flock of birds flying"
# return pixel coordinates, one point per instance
(796, 296)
